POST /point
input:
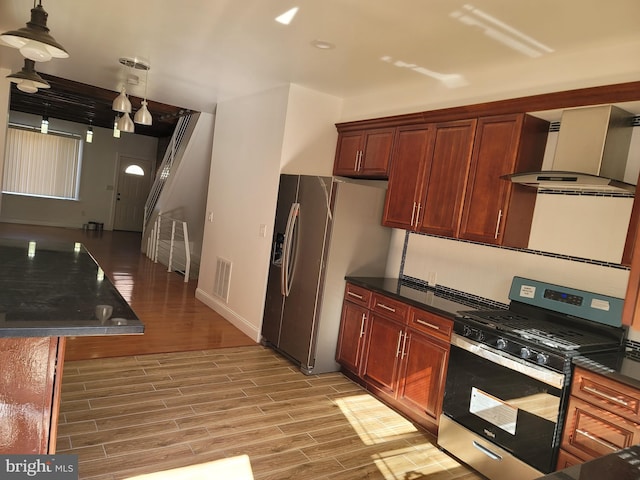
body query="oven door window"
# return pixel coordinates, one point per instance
(516, 412)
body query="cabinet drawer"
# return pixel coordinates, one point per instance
(606, 393)
(431, 324)
(566, 460)
(591, 432)
(390, 308)
(359, 295)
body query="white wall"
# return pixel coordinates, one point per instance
(184, 195)
(97, 180)
(243, 187)
(290, 129)
(310, 135)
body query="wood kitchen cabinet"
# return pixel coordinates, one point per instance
(405, 354)
(364, 153)
(603, 416)
(353, 326)
(428, 175)
(423, 372)
(407, 176)
(495, 210)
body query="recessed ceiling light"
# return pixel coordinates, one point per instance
(287, 16)
(322, 45)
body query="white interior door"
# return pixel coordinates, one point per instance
(134, 183)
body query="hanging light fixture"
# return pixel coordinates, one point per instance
(89, 136)
(27, 79)
(116, 130)
(34, 40)
(143, 116)
(125, 124)
(44, 125)
(121, 103)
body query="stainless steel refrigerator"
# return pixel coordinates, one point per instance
(325, 229)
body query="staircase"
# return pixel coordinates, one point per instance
(165, 239)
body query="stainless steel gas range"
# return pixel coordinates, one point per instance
(509, 375)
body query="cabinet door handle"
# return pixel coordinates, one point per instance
(611, 398)
(413, 212)
(418, 214)
(398, 346)
(604, 443)
(364, 317)
(498, 224)
(352, 294)
(404, 344)
(427, 324)
(359, 160)
(386, 307)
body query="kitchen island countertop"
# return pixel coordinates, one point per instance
(50, 289)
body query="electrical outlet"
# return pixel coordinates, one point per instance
(431, 279)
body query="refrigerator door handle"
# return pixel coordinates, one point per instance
(288, 251)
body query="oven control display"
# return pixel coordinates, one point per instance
(563, 297)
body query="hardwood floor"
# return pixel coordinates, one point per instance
(174, 319)
(193, 389)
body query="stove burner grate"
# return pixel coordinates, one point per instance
(560, 337)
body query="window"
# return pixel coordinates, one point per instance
(42, 165)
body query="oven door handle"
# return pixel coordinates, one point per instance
(542, 374)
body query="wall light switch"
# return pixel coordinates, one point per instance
(210, 216)
(262, 231)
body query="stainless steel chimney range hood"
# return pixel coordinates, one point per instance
(591, 153)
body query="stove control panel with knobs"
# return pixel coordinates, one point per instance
(516, 347)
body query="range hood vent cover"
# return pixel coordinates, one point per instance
(591, 153)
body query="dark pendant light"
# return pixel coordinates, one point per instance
(27, 79)
(34, 40)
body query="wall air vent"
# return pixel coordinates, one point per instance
(223, 279)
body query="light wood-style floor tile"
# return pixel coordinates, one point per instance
(212, 404)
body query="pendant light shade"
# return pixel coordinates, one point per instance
(44, 126)
(89, 136)
(34, 40)
(27, 79)
(121, 103)
(125, 124)
(116, 130)
(143, 116)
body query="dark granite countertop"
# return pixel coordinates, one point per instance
(426, 298)
(52, 289)
(622, 465)
(623, 367)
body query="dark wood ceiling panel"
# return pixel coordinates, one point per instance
(81, 103)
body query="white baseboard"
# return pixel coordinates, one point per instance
(236, 320)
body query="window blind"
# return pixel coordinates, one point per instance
(41, 165)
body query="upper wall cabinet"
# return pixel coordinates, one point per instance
(364, 153)
(496, 211)
(429, 169)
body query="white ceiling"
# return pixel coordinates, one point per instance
(203, 51)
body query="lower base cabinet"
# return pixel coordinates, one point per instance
(603, 416)
(402, 365)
